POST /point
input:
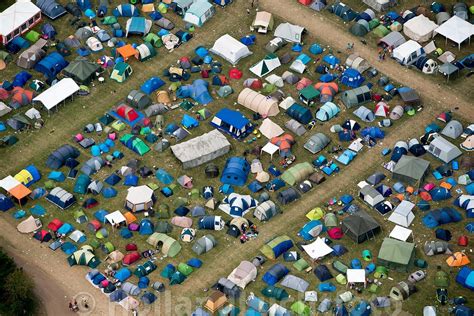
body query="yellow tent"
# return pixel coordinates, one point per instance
(24, 176)
(315, 214)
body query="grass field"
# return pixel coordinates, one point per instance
(35, 146)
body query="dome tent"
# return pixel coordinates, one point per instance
(168, 245)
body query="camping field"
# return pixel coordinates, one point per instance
(60, 126)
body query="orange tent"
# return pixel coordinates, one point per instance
(127, 51)
(328, 90)
(458, 259)
(20, 192)
(410, 190)
(425, 196)
(400, 197)
(284, 142)
(130, 217)
(446, 185)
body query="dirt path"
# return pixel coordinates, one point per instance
(56, 283)
(335, 36)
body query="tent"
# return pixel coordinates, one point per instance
(327, 111)
(289, 32)
(266, 65)
(360, 226)
(287, 196)
(236, 170)
(295, 283)
(134, 143)
(201, 149)
(277, 272)
(266, 210)
(57, 93)
(396, 254)
(258, 103)
(139, 198)
(139, 26)
(168, 245)
(455, 29)
(121, 72)
(408, 53)
(392, 40)
(276, 247)
(84, 256)
(51, 8)
(5, 203)
(465, 278)
(28, 225)
(81, 70)
(410, 170)
(18, 19)
(299, 113)
(403, 215)
(316, 143)
(364, 114)
(243, 274)
(352, 78)
(31, 56)
(453, 129)
(443, 149)
(125, 10)
(297, 173)
(204, 244)
(263, 22)
(61, 198)
(51, 65)
(199, 12)
(419, 28)
(402, 290)
(198, 91)
(230, 49)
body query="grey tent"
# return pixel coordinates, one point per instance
(392, 40)
(92, 165)
(31, 56)
(453, 129)
(163, 227)
(81, 70)
(316, 143)
(290, 77)
(444, 150)
(224, 91)
(375, 178)
(448, 70)
(4, 109)
(204, 244)
(442, 17)
(156, 109)
(437, 247)
(325, 305)
(381, 302)
(365, 114)
(138, 99)
(51, 8)
(295, 283)
(72, 42)
(380, 5)
(360, 28)
(58, 157)
(198, 211)
(131, 289)
(288, 196)
(409, 96)
(95, 187)
(402, 290)
(266, 210)
(201, 149)
(19, 122)
(360, 226)
(165, 24)
(357, 96)
(83, 33)
(162, 145)
(296, 127)
(180, 134)
(410, 170)
(318, 5)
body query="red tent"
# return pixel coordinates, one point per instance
(131, 247)
(42, 235)
(425, 196)
(234, 73)
(305, 2)
(253, 83)
(21, 97)
(3, 94)
(463, 241)
(54, 225)
(131, 258)
(335, 233)
(127, 113)
(94, 225)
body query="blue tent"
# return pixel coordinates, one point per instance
(117, 295)
(123, 274)
(84, 4)
(125, 233)
(57, 176)
(19, 214)
(68, 248)
(21, 78)
(316, 49)
(423, 205)
(352, 78)
(326, 287)
(440, 194)
(146, 227)
(100, 215)
(65, 229)
(113, 179)
(125, 10)
(340, 310)
(5, 203)
(322, 273)
(327, 111)
(182, 211)
(164, 177)
(51, 65)
(327, 78)
(300, 113)
(363, 308)
(38, 210)
(311, 230)
(247, 40)
(143, 282)
(137, 26)
(109, 192)
(148, 298)
(152, 84)
(443, 234)
(189, 122)
(131, 180)
(356, 264)
(373, 132)
(346, 157)
(90, 13)
(470, 227)
(198, 91)
(236, 171)
(441, 216)
(465, 277)
(233, 123)
(397, 153)
(254, 186)
(194, 263)
(346, 199)
(339, 250)
(331, 60)
(277, 272)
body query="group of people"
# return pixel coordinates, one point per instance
(248, 232)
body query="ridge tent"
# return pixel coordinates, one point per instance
(258, 103)
(140, 26)
(396, 254)
(266, 65)
(168, 245)
(360, 226)
(444, 150)
(263, 22)
(419, 28)
(410, 170)
(81, 70)
(289, 32)
(230, 49)
(121, 72)
(199, 12)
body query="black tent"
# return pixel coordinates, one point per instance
(322, 273)
(288, 196)
(212, 171)
(58, 157)
(360, 226)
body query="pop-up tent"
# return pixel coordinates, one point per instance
(198, 91)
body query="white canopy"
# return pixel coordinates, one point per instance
(317, 249)
(230, 49)
(57, 93)
(9, 183)
(456, 29)
(400, 233)
(270, 149)
(16, 15)
(355, 275)
(115, 218)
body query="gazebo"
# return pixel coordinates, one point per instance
(139, 198)
(270, 149)
(448, 69)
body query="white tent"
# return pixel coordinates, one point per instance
(270, 149)
(289, 32)
(275, 80)
(266, 65)
(408, 52)
(115, 218)
(270, 129)
(33, 114)
(76, 235)
(356, 276)
(57, 93)
(139, 198)
(29, 225)
(400, 233)
(285, 104)
(230, 49)
(420, 28)
(259, 103)
(403, 215)
(245, 273)
(317, 249)
(4, 109)
(456, 29)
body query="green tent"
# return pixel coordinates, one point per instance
(297, 173)
(300, 308)
(168, 272)
(271, 250)
(186, 105)
(134, 143)
(309, 94)
(9, 140)
(168, 245)
(80, 216)
(275, 292)
(84, 257)
(81, 70)
(301, 264)
(396, 254)
(109, 20)
(153, 39)
(441, 279)
(269, 88)
(108, 247)
(5, 56)
(145, 269)
(381, 31)
(185, 269)
(163, 211)
(94, 243)
(33, 36)
(381, 272)
(177, 278)
(374, 23)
